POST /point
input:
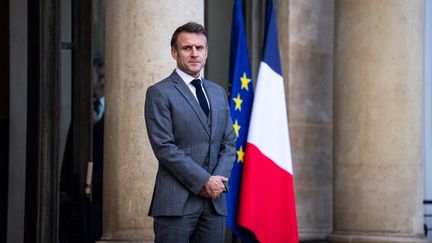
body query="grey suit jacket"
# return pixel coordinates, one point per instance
(189, 146)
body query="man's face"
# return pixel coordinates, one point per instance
(191, 53)
(98, 84)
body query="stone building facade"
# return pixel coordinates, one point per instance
(354, 73)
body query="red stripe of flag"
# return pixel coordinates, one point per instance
(271, 199)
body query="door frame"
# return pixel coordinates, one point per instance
(43, 113)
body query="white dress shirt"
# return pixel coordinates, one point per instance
(188, 79)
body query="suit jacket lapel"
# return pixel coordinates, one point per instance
(187, 94)
(213, 111)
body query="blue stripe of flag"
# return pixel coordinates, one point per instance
(271, 54)
(239, 67)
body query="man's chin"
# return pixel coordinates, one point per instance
(194, 72)
(195, 68)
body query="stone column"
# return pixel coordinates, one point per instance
(378, 185)
(138, 37)
(310, 78)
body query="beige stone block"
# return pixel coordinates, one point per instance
(310, 114)
(311, 146)
(378, 149)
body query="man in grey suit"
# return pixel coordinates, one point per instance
(192, 136)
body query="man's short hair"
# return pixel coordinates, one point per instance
(191, 27)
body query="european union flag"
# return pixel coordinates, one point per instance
(241, 97)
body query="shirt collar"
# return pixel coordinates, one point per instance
(186, 77)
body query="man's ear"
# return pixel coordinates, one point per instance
(174, 53)
(206, 53)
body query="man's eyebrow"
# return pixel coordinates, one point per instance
(191, 45)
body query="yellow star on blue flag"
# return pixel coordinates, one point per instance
(238, 101)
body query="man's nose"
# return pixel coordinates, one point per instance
(194, 51)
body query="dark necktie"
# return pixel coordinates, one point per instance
(200, 95)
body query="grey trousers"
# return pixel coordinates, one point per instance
(205, 226)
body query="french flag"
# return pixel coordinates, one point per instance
(267, 204)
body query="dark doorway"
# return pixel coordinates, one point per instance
(59, 82)
(81, 121)
(4, 118)
(76, 113)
